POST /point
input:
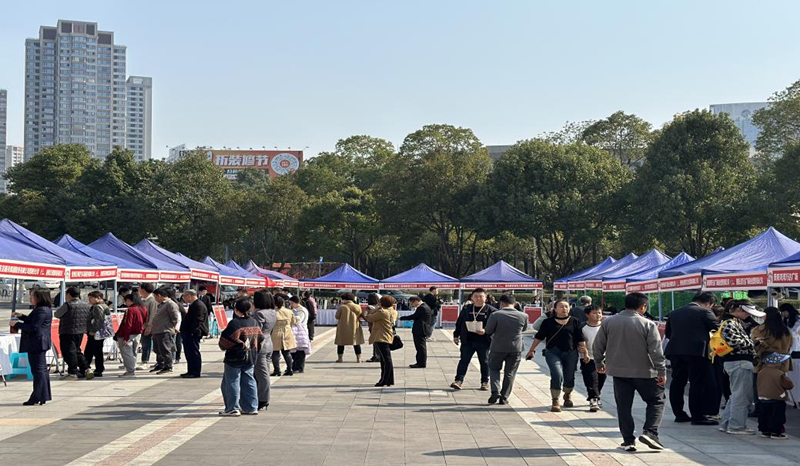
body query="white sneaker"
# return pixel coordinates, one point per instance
(234, 413)
(594, 406)
(744, 431)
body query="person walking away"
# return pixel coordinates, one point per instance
(151, 306)
(348, 327)
(628, 348)
(505, 327)
(74, 321)
(311, 304)
(419, 330)
(433, 302)
(300, 331)
(283, 340)
(97, 327)
(265, 315)
(35, 341)
(241, 340)
(193, 328)
(130, 331)
(688, 329)
(791, 319)
(579, 311)
(594, 382)
(373, 304)
(207, 299)
(381, 336)
(563, 340)
(163, 328)
(470, 335)
(738, 364)
(772, 395)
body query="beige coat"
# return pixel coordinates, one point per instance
(348, 325)
(382, 321)
(282, 336)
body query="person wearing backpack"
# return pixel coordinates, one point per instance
(98, 330)
(737, 351)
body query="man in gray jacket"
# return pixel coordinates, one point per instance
(163, 328)
(505, 327)
(74, 321)
(150, 304)
(628, 348)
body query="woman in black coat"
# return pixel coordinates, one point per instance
(36, 342)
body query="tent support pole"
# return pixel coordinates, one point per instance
(63, 292)
(14, 297)
(660, 310)
(673, 300)
(116, 301)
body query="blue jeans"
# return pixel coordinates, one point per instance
(239, 389)
(741, 376)
(563, 365)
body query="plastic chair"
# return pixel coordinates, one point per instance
(17, 369)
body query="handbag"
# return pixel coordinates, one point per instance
(396, 343)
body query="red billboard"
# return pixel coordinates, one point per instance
(276, 162)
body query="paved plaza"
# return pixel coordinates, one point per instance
(332, 415)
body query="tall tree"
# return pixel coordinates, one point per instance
(430, 185)
(625, 136)
(779, 122)
(693, 185)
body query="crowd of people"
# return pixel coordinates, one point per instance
(736, 359)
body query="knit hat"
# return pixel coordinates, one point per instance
(775, 358)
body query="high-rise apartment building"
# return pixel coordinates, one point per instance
(742, 116)
(74, 88)
(3, 116)
(139, 123)
(12, 155)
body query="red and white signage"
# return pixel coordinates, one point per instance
(204, 275)
(685, 282)
(255, 282)
(593, 285)
(222, 318)
(128, 275)
(575, 286)
(650, 286)
(784, 276)
(14, 269)
(503, 286)
(291, 284)
(614, 286)
(450, 312)
(79, 274)
(560, 286)
(736, 281)
(337, 286)
(418, 286)
(175, 277)
(234, 281)
(533, 313)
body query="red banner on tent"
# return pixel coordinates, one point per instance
(235, 281)
(784, 276)
(12, 269)
(139, 275)
(175, 277)
(593, 284)
(736, 281)
(614, 286)
(575, 286)
(503, 286)
(642, 287)
(418, 286)
(337, 286)
(205, 275)
(91, 273)
(686, 282)
(561, 286)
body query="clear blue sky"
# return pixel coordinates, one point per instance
(296, 74)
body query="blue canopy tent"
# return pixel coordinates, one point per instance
(79, 267)
(199, 271)
(167, 272)
(647, 281)
(593, 281)
(235, 277)
(575, 281)
(501, 276)
(616, 280)
(128, 271)
(785, 272)
(23, 262)
(740, 268)
(343, 277)
(280, 279)
(420, 277)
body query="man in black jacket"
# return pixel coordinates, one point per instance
(74, 321)
(422, 319)
(688, 329)
(193, 328)
(207, 299)
(470, 334)
(433, 302)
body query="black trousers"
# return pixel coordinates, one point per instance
(650, 392)
(299, 361)
(422, 349)
(467, 351)
(276, 360)
(594, 382)
(147, 347)
(697, 371)
(70, 346)
(356, 348)
(41, 378)
(311, 325)
(772, 416)
(94, 352)
(387, 367)
(178, 346)
(429, 329)
(191, 348)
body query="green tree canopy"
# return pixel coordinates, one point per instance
(625, 136)
(779, 122)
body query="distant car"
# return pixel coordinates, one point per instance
(53, 285)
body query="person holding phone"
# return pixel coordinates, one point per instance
(628, 348)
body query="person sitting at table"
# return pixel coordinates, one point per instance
(35, 341)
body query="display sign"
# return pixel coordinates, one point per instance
(12, 269)
(337, 286)
(450, 312)
(784, 276)
(686, 282)
(418, 286)
(91, 274)
(276, 162)
(503, 286)
(737, 281)
(614, 286)
(235, 281)
(534, 312)
(204, 275)
(575, 286)
(139, 275)
(175, 277)
(560, 286)
(642, 287)
(593, 284)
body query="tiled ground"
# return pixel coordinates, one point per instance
(333, 415)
